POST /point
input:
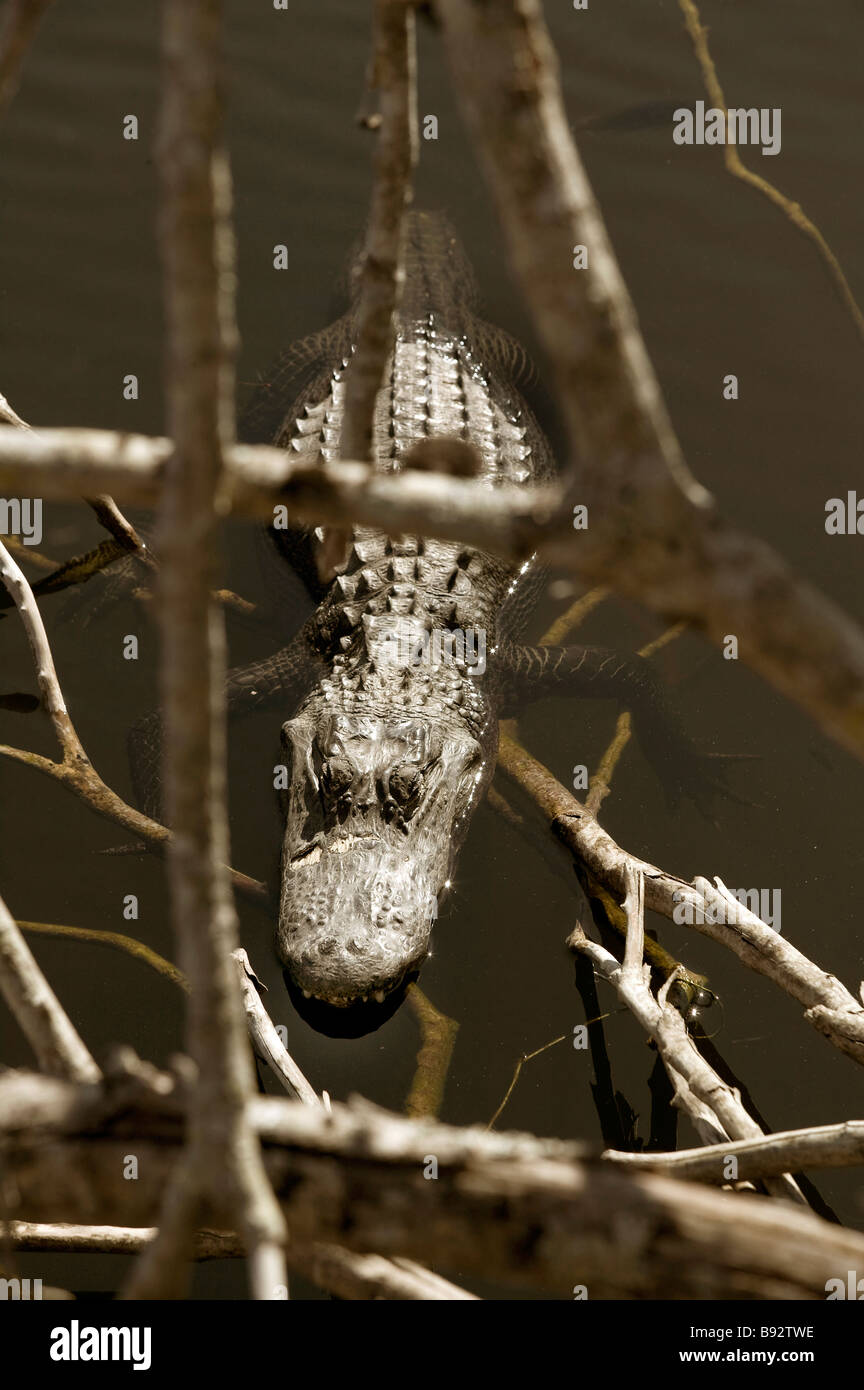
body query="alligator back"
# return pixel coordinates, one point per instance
(394, 743)
(451, 374)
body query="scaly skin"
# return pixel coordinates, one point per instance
(393, 738)
(388, 755)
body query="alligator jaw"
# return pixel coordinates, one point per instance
(375, 811)
(355, 918)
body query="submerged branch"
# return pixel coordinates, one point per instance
(59, 1049)
(531, 1212)
(713, 911)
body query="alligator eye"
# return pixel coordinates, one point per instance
(337, 775)
(404, 784)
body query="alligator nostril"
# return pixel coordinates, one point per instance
(327, 946)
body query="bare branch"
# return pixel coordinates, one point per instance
(381, 273)
(75, 771)
(806, 646)
(668, 1030)
(339, 1271)
(438, 1034)
(831, 1008)
(49, 686)
(111, 1240)
(116, 940)
(736, 166)
(59, 1049)
(264, 1037)
(196, 243)
(825, 1146)
(654, 533)
(536, 1213)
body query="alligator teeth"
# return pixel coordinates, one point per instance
(307, 994)
(380, 996)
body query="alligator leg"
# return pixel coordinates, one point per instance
(530, 673)
(278, 680)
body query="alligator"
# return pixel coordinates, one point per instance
(396, 684)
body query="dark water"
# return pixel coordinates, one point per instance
(722, 283)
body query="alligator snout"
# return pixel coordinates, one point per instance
(374, 812)
(355, 919)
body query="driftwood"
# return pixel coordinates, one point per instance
(539, 1214)
(825, 1146)
(54, 1039)
(829, 1006)
(196, 243)
(215, 1158)
(715, 1109)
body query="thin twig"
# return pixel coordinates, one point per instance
(116, 940)
(222, 1157)
(601, 783)
(824, 1146)
(392, 73)
(831, 1008)
(264, 1036)
(532, 1212)
(517, 1072)
(666, 1027)
(112, 1240)
(438, 1039)
(58, 1047)
(75, 771)
(735, 165)
(566, 624)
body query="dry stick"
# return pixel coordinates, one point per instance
(822, 1146)
(664, 1024)
(9, 417)
(654, 533)
(339, 1271)
(127, 944)
(196, 243)
(734, 164)
(601, 783)
(538, 1213)
(20, 21)
(356, 1276)
(123, 531)
(515, 761)
(438, 1039)
(19, 551)
(120, 529)
(517, 1072)
(58, 1047)
(829, 1006)
(265, 1039)
(75, 771)
(262, 1033)
(381, 275)
(566, 624)
(342, 1272)
(113, 1240)
(393, 76)
(823, 671)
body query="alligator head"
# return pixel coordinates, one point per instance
(375, 809)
